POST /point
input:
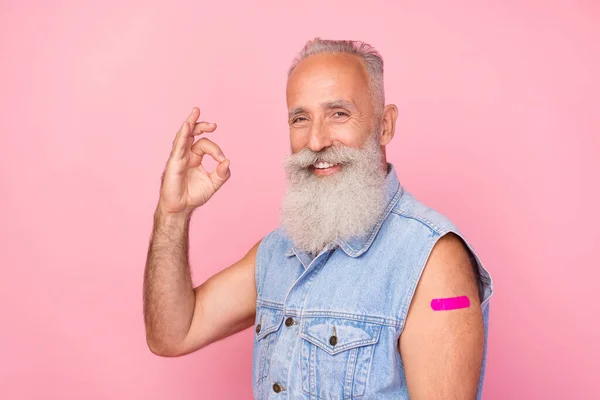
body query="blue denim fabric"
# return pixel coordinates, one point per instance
(358, 293)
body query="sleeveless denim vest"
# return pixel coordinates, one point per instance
(328, 327)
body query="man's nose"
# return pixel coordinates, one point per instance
(318, 137)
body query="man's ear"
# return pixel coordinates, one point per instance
(388, 124)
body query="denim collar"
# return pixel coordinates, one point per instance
(356, 246)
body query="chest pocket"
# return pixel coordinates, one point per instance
(336, 356)
(268, 322)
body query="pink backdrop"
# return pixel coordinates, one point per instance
(498, 129)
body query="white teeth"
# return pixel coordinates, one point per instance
(322, 165)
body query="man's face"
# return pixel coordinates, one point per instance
(329, 104)
(336, 175)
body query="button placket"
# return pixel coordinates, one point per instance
(281, 365)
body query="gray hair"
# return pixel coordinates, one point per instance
(370, 57)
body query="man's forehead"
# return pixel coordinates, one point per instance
(321, 81)
(328, 69)
(330, 62)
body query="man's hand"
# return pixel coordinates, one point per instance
(186, 184)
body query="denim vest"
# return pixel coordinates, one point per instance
(328, 327)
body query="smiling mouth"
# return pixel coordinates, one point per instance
(322, 168)
(323, 165)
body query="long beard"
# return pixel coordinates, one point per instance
(318, 211)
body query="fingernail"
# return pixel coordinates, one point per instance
(221, 158)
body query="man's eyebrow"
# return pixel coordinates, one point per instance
(295, 111)
(338, 104)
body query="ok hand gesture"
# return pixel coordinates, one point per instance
(186, 185)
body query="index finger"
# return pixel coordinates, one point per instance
(184, 132)
(193, 117)
(191, 122)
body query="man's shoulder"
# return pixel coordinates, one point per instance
(411, 208)
(275, 238)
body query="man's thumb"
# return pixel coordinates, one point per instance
(220, 175)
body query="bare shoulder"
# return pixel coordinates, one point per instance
(450, 269)
(250, 256)
(244, 265)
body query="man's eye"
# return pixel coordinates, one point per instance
(340, 114)
(298, 119)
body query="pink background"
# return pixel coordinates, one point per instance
(498, 129)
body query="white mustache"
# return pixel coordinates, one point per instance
(338, 154)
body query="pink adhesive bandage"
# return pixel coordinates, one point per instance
(450, 303)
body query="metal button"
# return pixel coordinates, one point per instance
(278, 388)
(333, 340)
(290, 321)
(259, 325)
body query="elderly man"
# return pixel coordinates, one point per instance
(362, 292)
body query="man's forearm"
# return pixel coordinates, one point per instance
(168, 292)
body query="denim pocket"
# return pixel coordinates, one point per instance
(336, 356)
(268, 321)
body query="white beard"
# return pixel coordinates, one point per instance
(318, 211)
